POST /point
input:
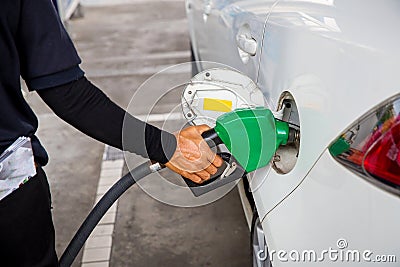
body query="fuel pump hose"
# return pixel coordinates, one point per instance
(101, 208)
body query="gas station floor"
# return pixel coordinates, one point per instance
(121, 45)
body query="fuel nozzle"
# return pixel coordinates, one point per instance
(252, 135)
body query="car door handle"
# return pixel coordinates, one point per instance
(207, 7)
(246, 44)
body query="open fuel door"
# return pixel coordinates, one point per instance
(209, 95)
(214, 92)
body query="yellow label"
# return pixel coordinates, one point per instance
(217, 105)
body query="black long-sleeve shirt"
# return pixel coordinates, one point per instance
(35, 45)
(87, 108)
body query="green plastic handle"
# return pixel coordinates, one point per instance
(252, 135)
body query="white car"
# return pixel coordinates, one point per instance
(334, 68)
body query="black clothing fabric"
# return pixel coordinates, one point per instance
(35, 45)
(87, 108)
(26, 226)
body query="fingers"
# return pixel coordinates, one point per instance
(218, 161)
(198, 177)
(213, 158)
(204, 175)
(194, 177)
(210, 155)
(193, 158)
(211, 169)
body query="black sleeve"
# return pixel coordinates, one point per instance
(47, 55)
(87, 108)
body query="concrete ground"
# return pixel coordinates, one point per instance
(122, 45)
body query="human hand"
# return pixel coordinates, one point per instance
(193, 158)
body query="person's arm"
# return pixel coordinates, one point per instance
(49, 64)
(88, 109)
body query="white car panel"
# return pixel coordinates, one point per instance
(338, 63)
(331, 204)
(338, 59)
(219, 28)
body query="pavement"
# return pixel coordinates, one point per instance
(121, 45)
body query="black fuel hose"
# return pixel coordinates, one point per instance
(101, 208)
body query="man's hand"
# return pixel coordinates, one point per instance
(193, 158)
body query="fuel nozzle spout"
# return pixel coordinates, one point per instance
(252, 135)
(286, 134)
(294, 136)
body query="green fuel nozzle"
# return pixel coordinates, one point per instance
(252, 135)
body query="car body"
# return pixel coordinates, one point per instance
(336, 60)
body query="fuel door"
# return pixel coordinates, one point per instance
(216, 91)
(207, 96)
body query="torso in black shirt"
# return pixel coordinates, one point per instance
(34, 45)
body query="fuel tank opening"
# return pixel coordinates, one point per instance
(286, 156)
